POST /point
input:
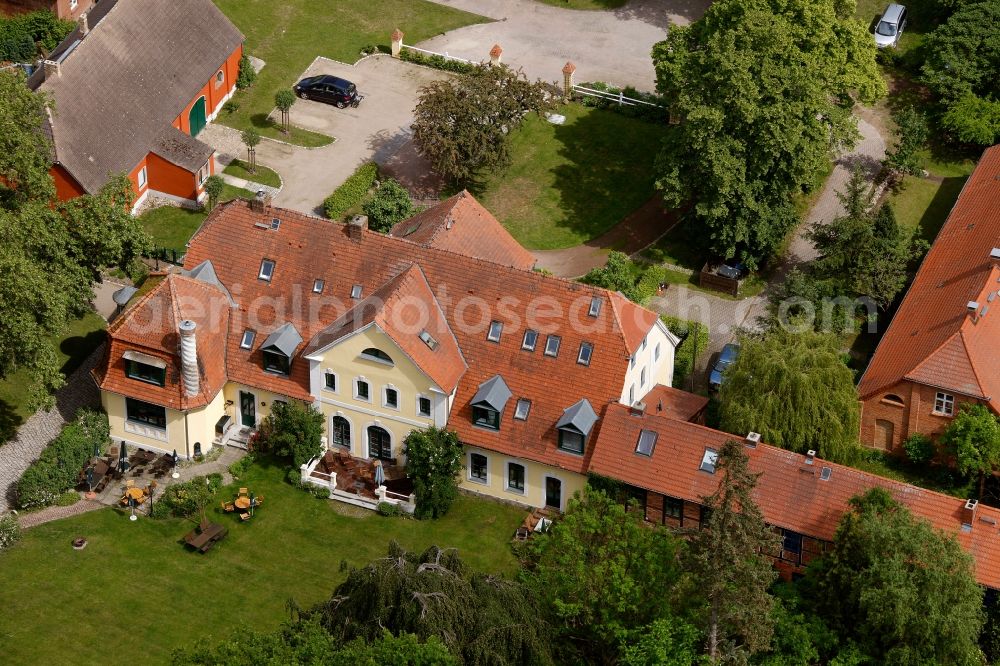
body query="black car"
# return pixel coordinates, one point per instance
(329, 89)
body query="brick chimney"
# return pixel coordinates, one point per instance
(189, 359)
(51, 69)
(261, 202)
(638, 408)
(83, 24)
(969, 513)
(356, 227)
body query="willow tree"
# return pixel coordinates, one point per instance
(796, 391)
(482, 618)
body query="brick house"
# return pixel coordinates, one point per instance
(69, 10)
(941, 348)
(124, 109)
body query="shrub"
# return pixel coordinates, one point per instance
(389, 510)
(246, 75)
(231, 107)
(351, 192)
(68, 498)
(319, 492)
(241, 466)
(433, 459)
(372, 49)
(694, 339)
(186, 499)
(60, 463)
(292, 430)
(214, 185)
(10, 531)
(657, 113)
(919, 448)
(388, 205)
(22, 35)
(437, 61)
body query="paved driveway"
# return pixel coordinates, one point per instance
(378, 129)
(612, 46)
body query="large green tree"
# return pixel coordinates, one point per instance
(53, 252)
(292, 430)
(762, 89)
(898, 588)
(973, 439)
(433, 461)
(795, 390)
(727, 559)
(603, 575)
(482, 618)
(462, 125)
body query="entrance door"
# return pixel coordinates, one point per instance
(553, 492)
(197, 117)
(248, 409)
(883, 434)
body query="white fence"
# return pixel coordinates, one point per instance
(618, 97)
(435, 53)
(329, 481)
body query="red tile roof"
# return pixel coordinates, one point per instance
(469, 291)
(790, 492)
(933, 339)
(461, 224)
(675, 403)
(391, 309)
(151, 327)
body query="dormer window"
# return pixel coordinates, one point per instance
(530, 339)
(571, 441)
(145, 368)
(552, 345)
(377, 355)
(586, 351)
(484, 417)
(266, 270)
(574, 427)
(595, 307)
(489, 401)
(496, 330)
(356, 291)
(318, 286)
(246, 342)
(276, 362)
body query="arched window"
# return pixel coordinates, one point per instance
(379, 443)
(373, 354)
(220, 76)
(340, 431)
(893, 399)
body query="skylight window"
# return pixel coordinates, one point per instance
(825, 473)
(318, 286)
(247, 341)
(496, 330)
(428, 339)
(275, 223)
(356, 291)
(586, 351)
(552, 345)
(647, 440)
(708, 460)
(595, 307)
(530, 339)
(522, 409)
(266, 270)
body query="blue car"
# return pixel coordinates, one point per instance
(726, 358)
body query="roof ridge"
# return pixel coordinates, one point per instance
(930, 357)
(122, 318)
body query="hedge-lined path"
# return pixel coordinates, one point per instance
(16, 455)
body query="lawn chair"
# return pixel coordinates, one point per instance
(243, 491)
(129, 483)
(258, 500)
(227, 507)
(244, 516)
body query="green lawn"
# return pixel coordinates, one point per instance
(171, 226)
(262, 175)
(923, 204)
(869, 11)
(289, 35)
(586, 4)
(136, 592)
(677, 248)
(570, 183)
(82, 337)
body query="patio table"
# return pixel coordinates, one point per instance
(242, 502)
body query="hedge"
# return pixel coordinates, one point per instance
(437, 62)
(694, 337)
(59, 466)
(351, 192)
(183, 499)
(22, 35)
(656, 114)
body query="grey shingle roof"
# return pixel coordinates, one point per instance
(129, 78)
(285, 339)
(205, 272)
(581, 417)
(182, 149)
(493, 392)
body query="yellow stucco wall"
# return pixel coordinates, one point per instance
(201, 423)
(403, 375)
(534, 479)
(114, 405)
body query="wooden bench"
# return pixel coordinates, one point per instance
(203, 537)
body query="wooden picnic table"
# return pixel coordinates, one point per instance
(137, 494)
(203, 537)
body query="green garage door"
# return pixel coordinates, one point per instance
(196, 118)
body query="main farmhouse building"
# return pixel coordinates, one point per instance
(132, 87)
(383, 334)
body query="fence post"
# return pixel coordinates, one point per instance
(621, 97)
(495, 54)
(397, 42)
(567, 71)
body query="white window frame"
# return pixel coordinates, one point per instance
(517, 409)
(319, 285)
(220, 78)
(495, 331)
(357, 394)
(946, 402)
(631, 395)
(474, 479)
(430, 408)
(656, 352)
(534, 342)
(268, 275)
(642, 377)
(142, 177)
(385, 397)
(506, 478)
(595, 306)
(73, 4)
(558, 340)
(248, 344)
(336, 381)
(590, 353)
(356, 291)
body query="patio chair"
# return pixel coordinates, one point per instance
(243, 491)
(129, 483)
(259, 499)
(227, 507)
(244, 516)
